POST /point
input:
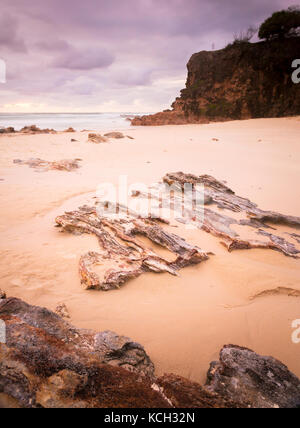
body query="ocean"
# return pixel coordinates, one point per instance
(62, 121)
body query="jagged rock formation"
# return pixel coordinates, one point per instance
(48, 363)
(42, 165)
(218, 196)
(122, 256)
(263, 382)
(242, 81)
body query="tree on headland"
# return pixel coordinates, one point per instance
(285, 23)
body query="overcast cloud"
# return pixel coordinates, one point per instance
(116, 55)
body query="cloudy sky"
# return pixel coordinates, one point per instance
(111, 55)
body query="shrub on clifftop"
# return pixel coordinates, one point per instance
(281, 24)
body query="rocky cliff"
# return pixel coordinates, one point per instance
(243, 81)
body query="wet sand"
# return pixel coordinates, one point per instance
(238, 297)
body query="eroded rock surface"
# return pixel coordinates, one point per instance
(244, 377)
(47, 362)
(42, 165)
(183, 393)
(97, 139)
(122, 256)
(116, 135)
(219, 197)
(33, 129)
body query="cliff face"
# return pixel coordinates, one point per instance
(242, 81)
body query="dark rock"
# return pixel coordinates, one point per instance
(184, 394)
(47, 362)
(245, 377)
(9, 130)
(33, 129)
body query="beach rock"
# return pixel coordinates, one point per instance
(121, 351)
(97, 139)
(116, 135)
(62, 311)
(42, 165)
(9, 130)
(218, 194)
(241, 81)
(245, 377)
(121, 262)
(48, 362)
(33, 129)
(165, 118)
(183, 394)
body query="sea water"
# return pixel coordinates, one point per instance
(62, 121)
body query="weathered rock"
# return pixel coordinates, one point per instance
(2, 294)
(122, 256)
(97, 139)
(116, 135)
(33, 129)
(9, 130)
(165, 118)
(244, 377)
(42, 165)
(47, 362)
(62, 311)
(183, 394)
(242, 81)
(218, 194)
(70, 130)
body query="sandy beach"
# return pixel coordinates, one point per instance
(248, 297)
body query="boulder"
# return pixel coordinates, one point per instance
(97, 139)
(116, 135)
(245, 377)
(48, 362)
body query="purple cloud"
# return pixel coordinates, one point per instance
(126, 53)
(9, 37)
(83, 59)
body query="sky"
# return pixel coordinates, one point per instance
(111, 55)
